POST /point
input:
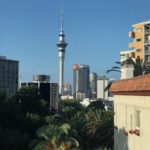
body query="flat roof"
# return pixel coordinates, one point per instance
(144, 22)
(4, 58)
(126, 51)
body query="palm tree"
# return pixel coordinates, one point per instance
(98, 130)
(140, 67)
(115, 68)
(137, 64)
(54, 137)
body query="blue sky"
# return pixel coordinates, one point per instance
(96, 31)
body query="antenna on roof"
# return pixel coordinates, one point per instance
(62, 16)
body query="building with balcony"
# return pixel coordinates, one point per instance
(141, 41)
(9, 71)
(139, 48)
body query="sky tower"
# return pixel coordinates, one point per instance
(61, 54)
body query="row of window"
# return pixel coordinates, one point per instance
(132, 120)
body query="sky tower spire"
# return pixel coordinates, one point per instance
(61, 44)
(62, 20)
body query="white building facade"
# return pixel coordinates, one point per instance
(102, 83)
(131, 113)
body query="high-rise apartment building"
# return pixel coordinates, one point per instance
(141, 41)
(80, 81)
(140, 47)
(9, 70)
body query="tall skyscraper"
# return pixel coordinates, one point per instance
(93, 85)
(9, 70)
(80, 81)
(61, 54)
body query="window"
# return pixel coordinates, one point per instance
(138, 40)
(139, 30)
(122, 54)
(138, 50)
(131, 121)
(138, 118)
(148, 58)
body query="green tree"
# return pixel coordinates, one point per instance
(69, 108)
(11, 117)
(20, 117)
(99, 128)
(95, 128)
(140, 67)
(31, 101)
(98, 104)
(56, 137)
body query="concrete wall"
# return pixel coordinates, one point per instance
(127, 71)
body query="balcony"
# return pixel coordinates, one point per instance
(147, 59)
(147, 42)
(132, 54)
(147, 63)
(131, 45)
(132, 34)
(147, 31)
(147, 52)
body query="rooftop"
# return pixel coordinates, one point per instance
(144, 22)
(134, 86)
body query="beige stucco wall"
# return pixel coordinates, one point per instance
(125, 119)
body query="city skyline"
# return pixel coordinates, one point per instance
(96, 32)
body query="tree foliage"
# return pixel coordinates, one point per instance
(26, 124)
